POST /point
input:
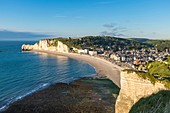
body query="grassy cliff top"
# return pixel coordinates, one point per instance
(157, 71)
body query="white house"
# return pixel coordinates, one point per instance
(86, 51)
(92, 53)
(81, 51)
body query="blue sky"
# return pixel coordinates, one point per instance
(124, 18)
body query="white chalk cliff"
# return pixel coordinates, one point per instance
(50, 45)
(132, 89)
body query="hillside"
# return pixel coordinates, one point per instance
(141, 40)
(105, 42)
(161, 45)
(160, 69)
(155, 103)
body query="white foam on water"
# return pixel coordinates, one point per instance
(3, 107)
(12, 100)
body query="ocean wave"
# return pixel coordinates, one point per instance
(12, 100)
(2, 108)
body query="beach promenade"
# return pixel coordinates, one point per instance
(102, 66)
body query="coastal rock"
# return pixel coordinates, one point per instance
(48, 45)
(134, 88)
(62, 47)
(27, 47)
(86, 95)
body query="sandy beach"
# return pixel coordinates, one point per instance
(102, 66)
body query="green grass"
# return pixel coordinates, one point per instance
(103, 42)
(155, 103)
(160, 44)
(106, 83)
(157, 71)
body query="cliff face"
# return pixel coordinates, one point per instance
(49, 45)
(62, 47)
(134, 88)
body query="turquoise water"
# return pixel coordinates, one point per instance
(22, 73)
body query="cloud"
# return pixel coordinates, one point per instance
(113, 30)
(109, 25)
(154, 33)
(106, 33)
(114, 27)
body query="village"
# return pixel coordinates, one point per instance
(134, 59)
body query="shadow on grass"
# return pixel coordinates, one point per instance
(155, 103)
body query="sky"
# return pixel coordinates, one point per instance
(75, 18)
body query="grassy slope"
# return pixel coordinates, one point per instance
(157, 71)
(102, 42)
(160, 44)
(156, 103)
(142, 40)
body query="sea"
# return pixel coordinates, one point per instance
(23, 73)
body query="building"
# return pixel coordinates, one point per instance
(123, 59)
(86, 51)
(93, 53)
(81, 51)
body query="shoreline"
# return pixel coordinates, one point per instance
(102, 66)
(4, 108)
(97, 95)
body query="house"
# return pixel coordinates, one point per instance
(86, 51)
(123, 58)
(116, 57)
(81, 51)
(93, 53)
(137, 62)
(112, 56)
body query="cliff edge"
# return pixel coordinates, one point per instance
(133, 88)
(49, 45)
